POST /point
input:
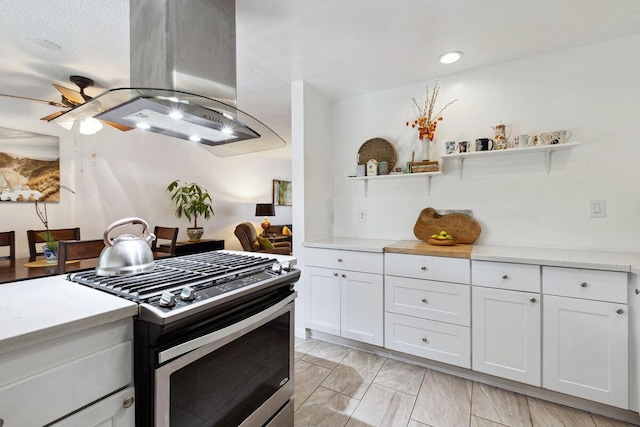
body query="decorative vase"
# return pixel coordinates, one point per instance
(50, 255)
(426, 147)
(195, 233)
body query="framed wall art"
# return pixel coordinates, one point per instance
(29, 166)
(282, 193)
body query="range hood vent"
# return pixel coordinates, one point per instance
(187, 49)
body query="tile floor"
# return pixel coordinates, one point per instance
(339, 386)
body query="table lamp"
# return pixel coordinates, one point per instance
(265, 209)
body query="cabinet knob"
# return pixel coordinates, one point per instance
(637, 291)
(583, 284)
(128, 402)
(1, 422)
(335, 274)
(504, 276)
(424, 300)
(423, 268)
(425, 340)
(532, 299)
(339, 259)
(619, 311)
(344, 276)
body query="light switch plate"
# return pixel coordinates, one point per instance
(597, 209)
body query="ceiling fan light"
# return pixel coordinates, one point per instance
(450, 57)
(89, 126)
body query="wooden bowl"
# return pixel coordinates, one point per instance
(441, 242)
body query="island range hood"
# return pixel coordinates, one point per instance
(183, 78)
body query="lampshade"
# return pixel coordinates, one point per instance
(265, 209)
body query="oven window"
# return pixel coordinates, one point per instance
(226, 386)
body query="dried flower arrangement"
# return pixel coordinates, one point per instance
(426, 121)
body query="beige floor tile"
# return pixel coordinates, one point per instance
(307, 377)
(354, 375)
(400, 376)
(305, 346)
(547, 414)
(499, 405)
(414, 423)
(443, 401)
(382, 406)
(481, 422)
(326, 354)
(325, 408)
(601, 421)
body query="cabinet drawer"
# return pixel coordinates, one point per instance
(588, 284)
(441, 301)
(369, 262)
(506, 275)
(439, 341)
(442, 269)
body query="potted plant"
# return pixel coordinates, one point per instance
(191, 200)
(50, 247)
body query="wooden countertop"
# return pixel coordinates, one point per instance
(418, 247)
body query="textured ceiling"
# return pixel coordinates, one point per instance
(342, 48)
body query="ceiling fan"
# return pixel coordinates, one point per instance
(70, 98)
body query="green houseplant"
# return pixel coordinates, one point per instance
(191, 200)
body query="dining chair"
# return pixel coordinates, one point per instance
(59, 234)
(165, 233)
(8, 238)
(74, 250)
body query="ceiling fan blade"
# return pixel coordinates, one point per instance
(73, 96)
(55, 104)
(52, 116)
(118, 126)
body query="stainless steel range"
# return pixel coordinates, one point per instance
(213, 339)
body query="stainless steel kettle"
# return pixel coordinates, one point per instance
(126, 254)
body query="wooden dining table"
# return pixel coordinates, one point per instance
(23, 269)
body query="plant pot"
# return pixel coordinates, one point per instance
(50, 255)
(195, 233)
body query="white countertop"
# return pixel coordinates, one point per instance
(350, 244)
(38, 310)
(613, 261)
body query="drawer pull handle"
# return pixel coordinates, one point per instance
(504, 276)
(339, 259)
(423, 268)
(335, 274)
(344, 276)
(532, 299)
(583, 284)
(424, 300)
(128, 402)
(425, 340)
(619, 311)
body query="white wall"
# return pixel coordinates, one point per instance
(591, 90)
(129, 177)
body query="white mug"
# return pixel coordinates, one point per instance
(522, 141)
(559, 136)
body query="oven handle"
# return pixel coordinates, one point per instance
(194, 344)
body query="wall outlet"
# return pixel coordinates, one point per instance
(597, 209)
(362, 215)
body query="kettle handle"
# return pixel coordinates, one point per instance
(124, 221)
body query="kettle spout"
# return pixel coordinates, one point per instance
(150, 238)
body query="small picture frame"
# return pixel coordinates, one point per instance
(282, 193)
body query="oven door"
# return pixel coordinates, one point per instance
(240, 375)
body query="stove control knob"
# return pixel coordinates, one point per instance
(276, 268)
(187, 294)
(287, 266)
(167, 300)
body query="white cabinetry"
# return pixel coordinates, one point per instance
(345, 294)
(47, 381)
(585, 343)
(117, 410)
(427, 303)
(506, 334)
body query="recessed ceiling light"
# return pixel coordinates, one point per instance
(143, 126)
(450, 57)
(194, 138)
(175, 115)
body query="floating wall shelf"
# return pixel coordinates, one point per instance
(366, 179)
(545, 149)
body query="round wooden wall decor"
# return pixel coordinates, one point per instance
(379, 149)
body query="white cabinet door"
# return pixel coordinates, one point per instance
(362, 311)
(323, 300)
(506, 339)
(634, 343)
(117, 410)
(585, 349)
